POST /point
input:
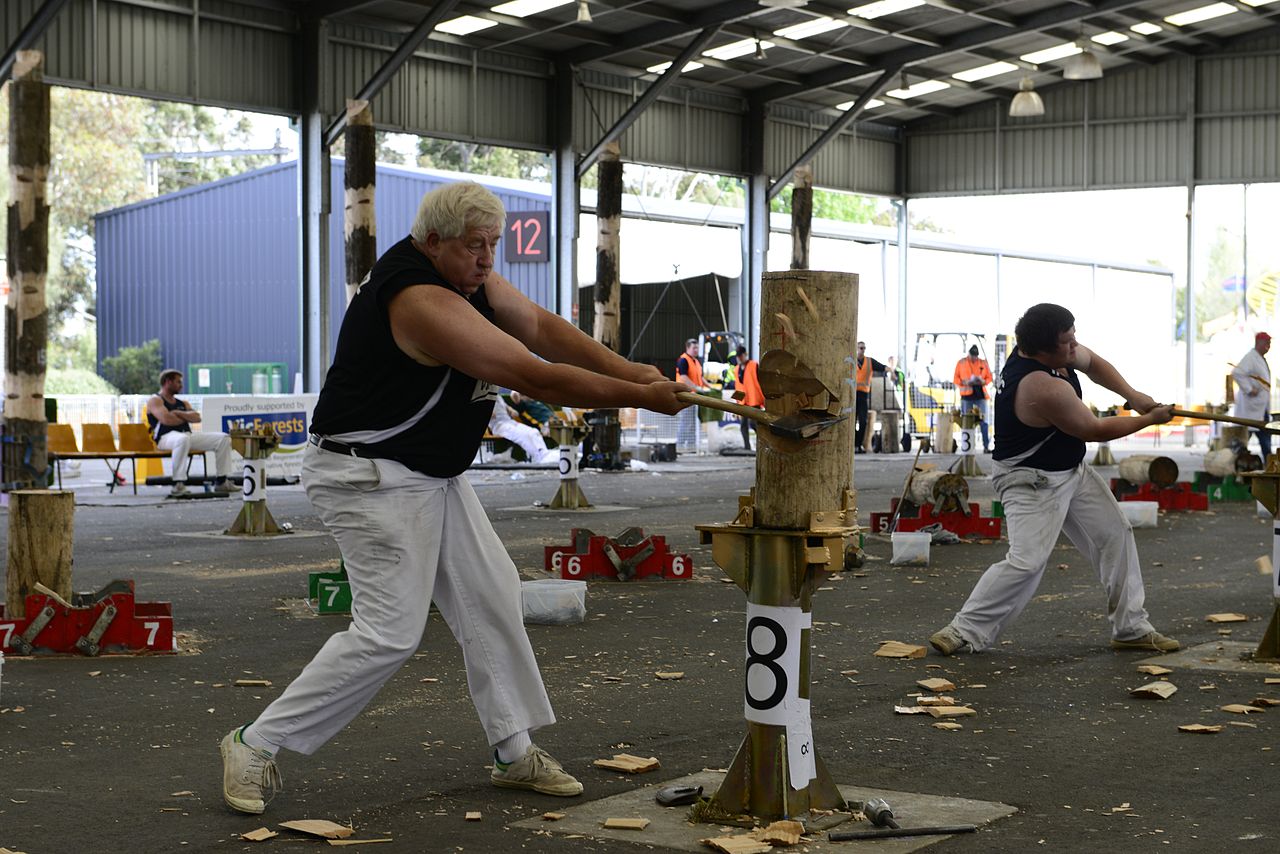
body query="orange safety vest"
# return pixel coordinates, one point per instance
(749, 384)
(695, 369)
(864, 375)
(975, 368)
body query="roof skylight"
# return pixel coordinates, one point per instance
(1110, 38)
(812, 27)
(1201, 13)
(465, 26)
(1146, 28)
(924, 87)
(525, 8)
(871, 105)
(663, 66)
(1049, 54)
(982, 72)
(871, 11)
(733, 50)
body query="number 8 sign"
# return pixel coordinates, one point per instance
(774, 638)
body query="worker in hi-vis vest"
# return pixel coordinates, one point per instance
(972, 377)
(865, 366)
(689, 372)
(748, 385)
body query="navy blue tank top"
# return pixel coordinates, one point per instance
(431, 419)
(158, 429)
(1019, 444)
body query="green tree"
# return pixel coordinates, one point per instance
(478, 159)
(169, 129)
(134, 370)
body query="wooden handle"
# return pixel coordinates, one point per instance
(726, 406)
(1213, 416)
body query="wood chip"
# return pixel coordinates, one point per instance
(897, 649)
(737, 845)
(1249, 724)
(1271, 680)
(910, 710)
(319, 827)
(1155, 690)
(626, 823)
(1264, 565)
(670, 674)
(628, 764)
(1200, 728)
(429, 679)
(360, 841)
(1264, 702)
(947, 725)
(937, 684)
(951, 711)
(941, 700)
(473, 815)
(780, 833)
(1226, 618)
(553, 816)
(1240, 709)
(253, 683)
(185, 793)
(1154, 669)
(95, 672)
(262, 834)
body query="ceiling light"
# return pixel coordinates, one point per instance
(1027, 102)
(783, 4)
(879, 9)
(1110, 38)
(733, 50)
(871, 105)
(814, 27)
(1203, 13)
(759, 49)
(982, 72)
(924, 87)
(525, 8)
(1083, 66)
(1259, 2)
(1146, 28)
(663, 66)
(584, 12)
(1049, 54)
(465, 26)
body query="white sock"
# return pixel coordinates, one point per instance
(250, 737)
(513, 747)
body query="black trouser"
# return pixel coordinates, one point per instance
(862, 406)
(746, 433)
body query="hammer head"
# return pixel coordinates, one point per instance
(878, 812)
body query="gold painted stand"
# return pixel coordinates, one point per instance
(967, 440)
(254, 518)
(1265, 486)
(568, 436)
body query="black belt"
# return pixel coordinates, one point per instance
(340, 447)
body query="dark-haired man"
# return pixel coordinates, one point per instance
(1046, 487)
(972, 377)
(169, 418)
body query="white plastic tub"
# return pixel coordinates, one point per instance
(554, 601)
(910, 549)
(1141, 514)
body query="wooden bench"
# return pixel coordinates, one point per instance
(100, 444)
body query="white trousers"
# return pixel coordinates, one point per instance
(1038, 505)
(528, 438)
(408, 539)
(182, 444)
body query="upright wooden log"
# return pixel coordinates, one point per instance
(26, 313)
(608, 318)
(1145, 468)
(360, 225)
(40, 533)
(801, 216)
(814, 316)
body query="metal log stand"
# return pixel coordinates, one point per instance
(254, 518)
(788, 533)
(569, 496)
(1265, 486)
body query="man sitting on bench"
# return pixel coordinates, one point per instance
(170, 420)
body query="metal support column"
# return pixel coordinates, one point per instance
(313, 204)
(1189, 167)
(904, 248)
(755, 228)
(564, 197)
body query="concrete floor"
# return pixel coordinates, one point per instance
(92, 763)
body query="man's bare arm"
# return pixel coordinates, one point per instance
(1105, 374)
(168, 417)
(435, 325)
(1046, 401)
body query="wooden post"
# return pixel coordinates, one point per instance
(608, 318)
(360, 224)
(801, 216)
(40, 535)
(26, 313)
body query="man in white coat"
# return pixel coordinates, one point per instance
(1253, 381)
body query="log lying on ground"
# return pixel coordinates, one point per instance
(1145, 468)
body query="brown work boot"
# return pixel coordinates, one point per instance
(1152, 641)
(948, 641)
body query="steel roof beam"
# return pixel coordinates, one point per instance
(384, 74)
(329, 8)
(34, 29)
(652, 34)
(650, 95)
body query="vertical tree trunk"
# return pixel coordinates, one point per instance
(26, 314)
(608, 320)
(801, 216)
(360, 225)
(40, 529)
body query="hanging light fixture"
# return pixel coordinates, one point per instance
(1027, 102)
(584, 12)
(759, 49)
(1083, 66)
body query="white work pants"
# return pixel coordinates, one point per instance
(528, 438)
(407, 539)
(1038, 505)
(182, 444)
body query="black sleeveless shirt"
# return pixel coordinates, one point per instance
(1057, 451)
(431, 419)
(157, 429)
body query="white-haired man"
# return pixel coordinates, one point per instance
(430, 335)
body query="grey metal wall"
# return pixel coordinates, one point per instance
(1210, 118)
(852, 161)
(212, 271)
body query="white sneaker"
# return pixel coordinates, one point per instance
(179, 488)
(536, 770)
(250, 778)
(948, 641)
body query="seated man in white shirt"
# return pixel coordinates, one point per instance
(503, 424)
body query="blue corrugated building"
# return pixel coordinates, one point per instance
(213, 271)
